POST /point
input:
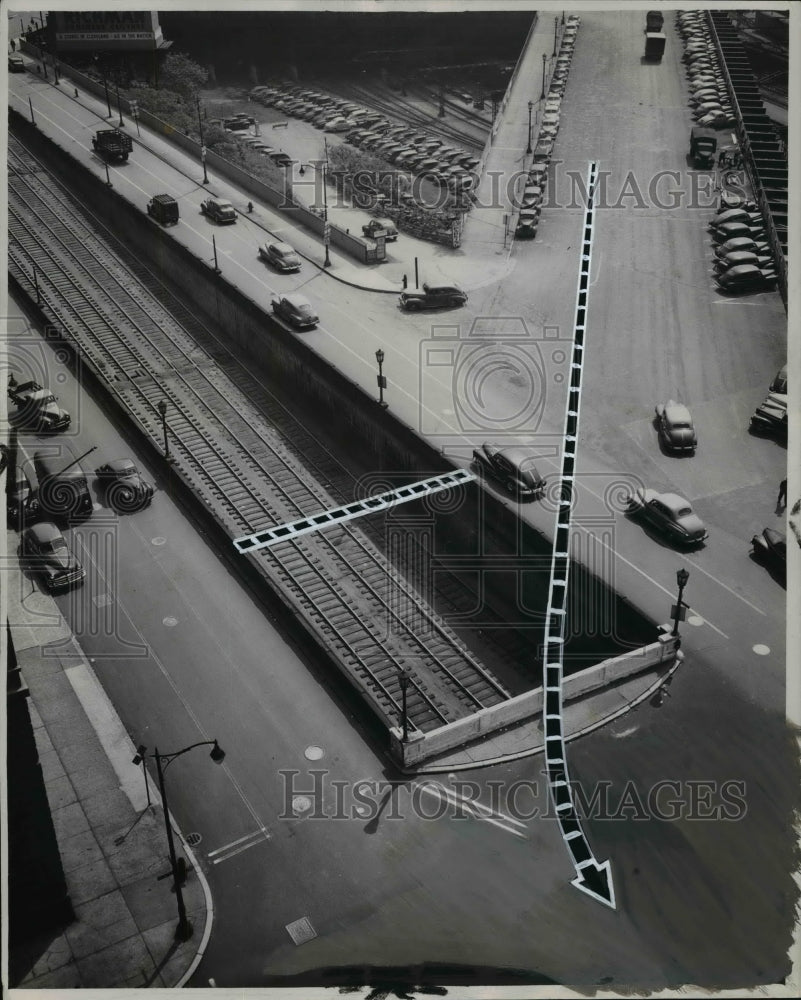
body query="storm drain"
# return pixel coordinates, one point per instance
(193, 839)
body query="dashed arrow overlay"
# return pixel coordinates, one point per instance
(592, 876)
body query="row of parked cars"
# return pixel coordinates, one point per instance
(710, 99)
(548, 128)
(742, 258)
(239, 127)
(401, 145)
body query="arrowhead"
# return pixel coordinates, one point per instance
(596, 880)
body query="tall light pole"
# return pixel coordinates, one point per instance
(163, 760)
(682, 576)
(544, 57)
(381, 378)
(404, 685)
(202, 144)
(135, 113)
(555, 33)
(326, 225)
(163, 411)
(119, 104)
(530, 109)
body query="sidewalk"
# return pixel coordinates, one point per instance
(112, 844)
(489, 227)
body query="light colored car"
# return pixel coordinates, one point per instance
(46, 552)
(669, 514)
(675, 427)
(513, 466)
(281, 256)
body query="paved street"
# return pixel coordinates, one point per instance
(191, 654)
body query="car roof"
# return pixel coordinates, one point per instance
(673, 502)
(298, 301)
(517, 454)
(45, 531)
(677, 411)
(122, 465)
(281, 247)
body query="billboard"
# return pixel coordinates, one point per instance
(107, 29)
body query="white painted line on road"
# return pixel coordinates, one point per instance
(478, 810)
(238, 846)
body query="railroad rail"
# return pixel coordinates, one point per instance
(349, 595)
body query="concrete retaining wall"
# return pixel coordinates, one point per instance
(421, 747)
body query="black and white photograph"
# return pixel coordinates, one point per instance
(400, 589)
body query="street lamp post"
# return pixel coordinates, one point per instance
(163, 411)
(544, 57)
(555, 33)
(326, 225)
(119, 105)
(404, 685)
(682, 576)
(382, 381)
(530, 109)
(184, 929)
(202, 144)
(135, 113)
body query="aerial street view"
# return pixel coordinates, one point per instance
(400, 442)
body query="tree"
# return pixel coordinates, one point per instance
(182, 75)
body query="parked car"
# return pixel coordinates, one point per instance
(433, 297)
(295, 310)
(675, 427)
(381, 227)
(123, 486)
(771, 416)
(281, 256)
(513, 466)
(740, 257)
(741, 244)
(16, 64)
(17, 495)
(779, 383)
(746, 278)
(37, 407)
(45, 551)
(669, 514)
(770, 548)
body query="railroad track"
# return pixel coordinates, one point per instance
(346, 590)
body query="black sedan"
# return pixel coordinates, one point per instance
(770, 548)
(513, 467)
(124, 488)
(675, 427)
(669, 514)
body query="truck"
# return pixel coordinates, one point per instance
(164, 209)
(219, 211)
(63, 490)
(703, 146)
(112, 144)
(654, 45)
(37, 407)
(654, 20)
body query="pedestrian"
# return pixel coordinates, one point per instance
(722, 159)
(302, 170)
(250, 206)
(781, 502)
(13, 45)
(405, 282)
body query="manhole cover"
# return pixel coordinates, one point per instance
(761, 650)
(194, 839)
(170, 622)
(158, 540)
(695, 620)
(314, 753)
(301, 930)
(301, 804)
